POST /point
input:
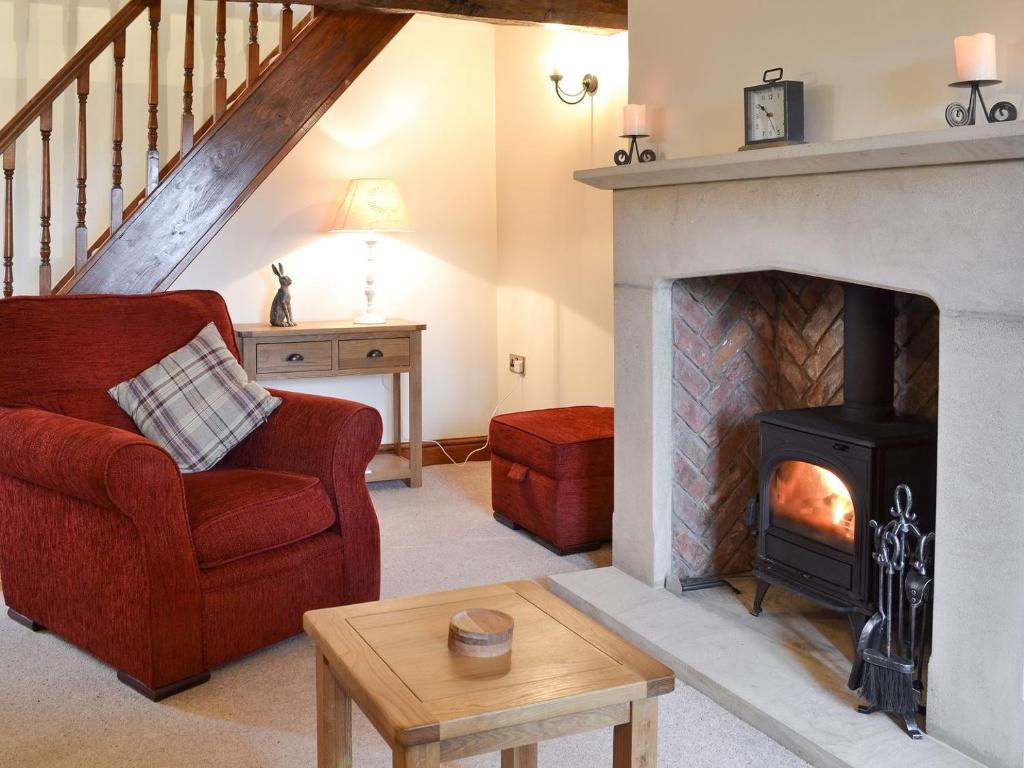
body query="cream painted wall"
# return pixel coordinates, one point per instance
(554, 235)
(423, 114)
(869, 67)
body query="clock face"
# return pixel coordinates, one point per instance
(766, 113)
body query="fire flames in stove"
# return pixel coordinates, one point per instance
(813, 501)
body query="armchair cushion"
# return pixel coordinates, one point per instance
(235, 513)
(196, 403)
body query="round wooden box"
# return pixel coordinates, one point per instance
(480, 633)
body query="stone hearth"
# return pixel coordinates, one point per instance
(936, 214)
(758, 342)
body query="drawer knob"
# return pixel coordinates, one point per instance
(295, 357)
(375, 353)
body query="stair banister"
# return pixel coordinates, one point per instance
(187, 119)
(81, 233)
(8, 166)
(67, 74)
(220, 83)
(45, 274)
(153, 153)
(286, 26)
(40, 107)
(253, 69)
(311, 40)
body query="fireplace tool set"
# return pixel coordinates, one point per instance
(890, 657)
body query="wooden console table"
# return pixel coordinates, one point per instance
(343, 348)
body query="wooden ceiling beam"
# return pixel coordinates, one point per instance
(600, 14)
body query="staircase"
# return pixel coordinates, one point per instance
(188, 199)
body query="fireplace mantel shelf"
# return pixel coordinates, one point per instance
(948, 146)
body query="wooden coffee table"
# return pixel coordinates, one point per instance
(566, 674)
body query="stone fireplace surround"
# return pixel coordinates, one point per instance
(938, 213)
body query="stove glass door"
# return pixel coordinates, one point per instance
(813, 502)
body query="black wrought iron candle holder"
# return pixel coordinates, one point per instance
(957, 114)
(622, 157)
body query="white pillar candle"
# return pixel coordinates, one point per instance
(634, 120)
(976, 57)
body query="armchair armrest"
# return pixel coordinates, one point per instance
(58, 474)
(333, 440)
(77, 458)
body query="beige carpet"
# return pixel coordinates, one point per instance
(60, 707)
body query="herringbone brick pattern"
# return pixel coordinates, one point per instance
(725, 372)
(751, 343)
(917, 356)
(810, 341)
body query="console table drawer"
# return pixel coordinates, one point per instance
(373, 353)
(293, 356)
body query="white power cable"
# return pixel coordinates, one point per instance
(487, 442)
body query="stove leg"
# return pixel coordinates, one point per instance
(762, 588)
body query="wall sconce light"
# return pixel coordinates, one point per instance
(589, 88)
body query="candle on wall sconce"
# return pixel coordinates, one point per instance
(634, 127)
(976, 68)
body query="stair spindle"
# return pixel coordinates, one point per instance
(8, 163)
(81, 233)
(253, 71)
(45, 276)
(220, 83)
(153, 154)
(287, 27)
(117, 136)
(187, 119)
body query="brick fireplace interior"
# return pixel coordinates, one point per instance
(762, 341)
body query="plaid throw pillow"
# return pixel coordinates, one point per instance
(196, 403)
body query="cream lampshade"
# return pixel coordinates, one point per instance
(371, 206)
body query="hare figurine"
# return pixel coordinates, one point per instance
(281, 308)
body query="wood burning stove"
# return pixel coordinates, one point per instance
(825, 472)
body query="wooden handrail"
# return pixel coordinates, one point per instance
(67, 74)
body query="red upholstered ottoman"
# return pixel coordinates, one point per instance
(551, 473)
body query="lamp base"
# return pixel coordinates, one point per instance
(370, 318)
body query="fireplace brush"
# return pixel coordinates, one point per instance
(891, 655)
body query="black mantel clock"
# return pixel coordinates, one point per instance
(773, 112)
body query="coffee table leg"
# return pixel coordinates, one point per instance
(333, 719)
(423, 756)
(519, 757)
(636, 742)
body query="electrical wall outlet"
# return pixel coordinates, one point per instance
(517, 364)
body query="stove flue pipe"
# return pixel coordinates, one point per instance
(869, 350)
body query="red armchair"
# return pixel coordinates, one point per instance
(162, 575)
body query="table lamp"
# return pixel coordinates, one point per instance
(371, 206)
